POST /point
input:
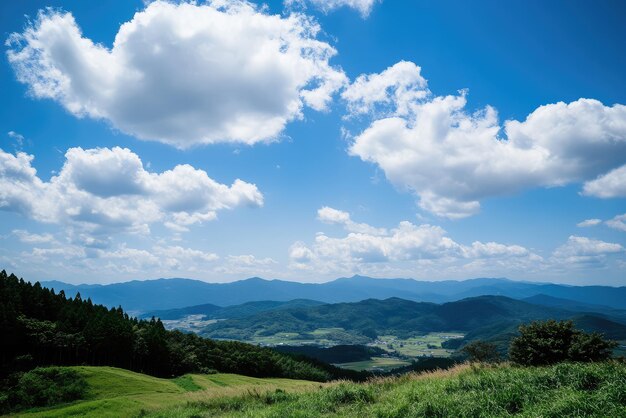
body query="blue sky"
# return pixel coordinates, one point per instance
(369, 138)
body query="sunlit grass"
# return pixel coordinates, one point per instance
(121, 393)
(565, 390)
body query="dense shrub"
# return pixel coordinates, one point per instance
(482, 352)
(590, 347)
(44, 386)
(550, 342)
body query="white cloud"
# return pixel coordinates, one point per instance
(407, 243)
(618, 222)
(585, 251)
(101, 191)
(589, 222)
(451, 159)
(611, 184)
(183, 74)
(494, 249)
(364, 7)
(30, 238)
(393, 90)
(122, 262)
(247, 264)
(333, 216)
(158, 260)
(18, 138)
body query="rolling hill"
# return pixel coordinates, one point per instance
(164, 294)
(487, 317)
(113, 392)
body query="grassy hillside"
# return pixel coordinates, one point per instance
(592, 389)
(116, 392)
(572, 390)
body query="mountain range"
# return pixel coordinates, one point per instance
(164, 294)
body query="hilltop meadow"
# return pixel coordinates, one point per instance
(567, 389)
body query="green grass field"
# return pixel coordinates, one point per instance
(319, 336)
(401, 350)
(121, 393)
(565, 390)
(423, 345)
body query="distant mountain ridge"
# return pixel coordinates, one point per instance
(162, 294)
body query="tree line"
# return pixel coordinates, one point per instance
(40, 327)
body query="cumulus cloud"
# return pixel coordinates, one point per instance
(618, 222)
(31, 238)
(589, 222)
(364, 7)
(611, 184)
(334, 216)
(123, 262)
(406, 243)
(129, 262)
(101, 191)
(183, 74)
(585, 251)
(451, 159)
(392, 90)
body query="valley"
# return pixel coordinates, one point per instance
(401, 330)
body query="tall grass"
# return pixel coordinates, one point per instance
(563, 390)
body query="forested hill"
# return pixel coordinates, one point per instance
(484, 316)
(39, 327)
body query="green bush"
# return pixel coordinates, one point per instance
(482, 352)
(45, 386)
(590, 347)
(551, 342)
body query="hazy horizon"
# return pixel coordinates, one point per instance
(79, 283)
